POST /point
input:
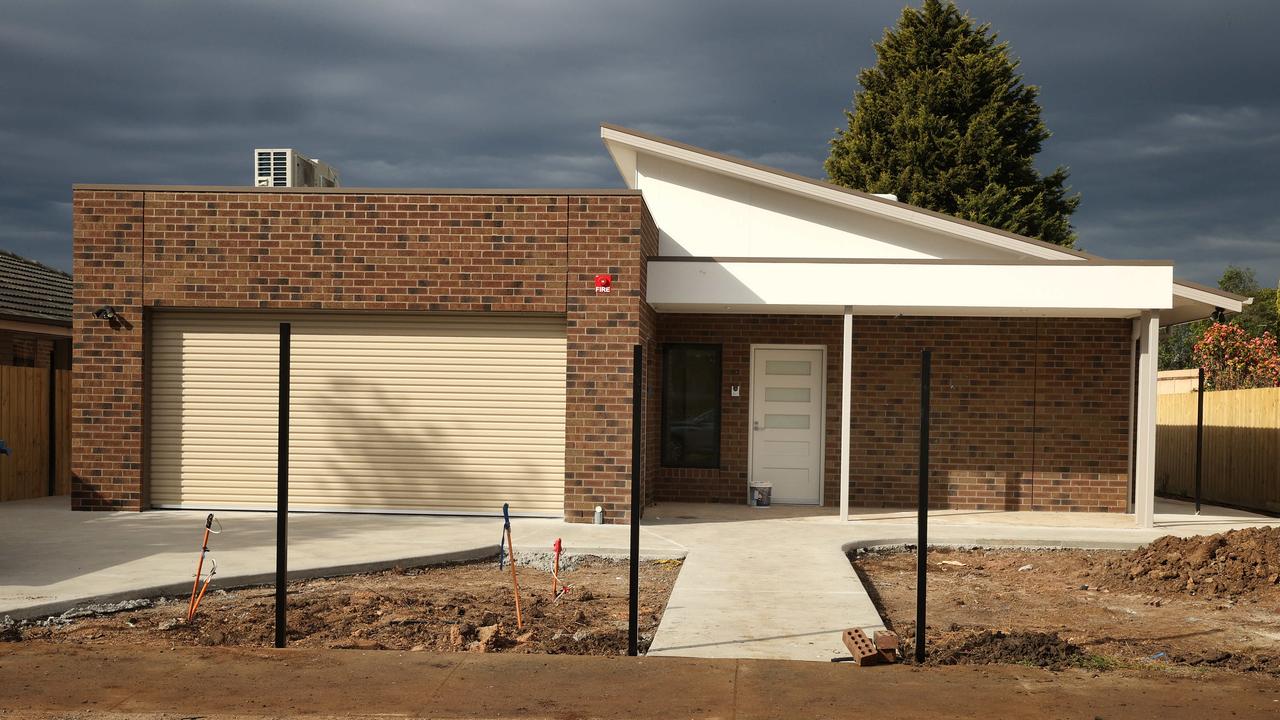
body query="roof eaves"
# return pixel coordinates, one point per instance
(1240, 299)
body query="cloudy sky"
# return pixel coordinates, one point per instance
(1167, 112)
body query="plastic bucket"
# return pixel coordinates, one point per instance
(761, 494)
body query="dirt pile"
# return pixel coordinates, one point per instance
(987, 647)
(1226, 565)
(464, 608)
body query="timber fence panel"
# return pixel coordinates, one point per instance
(1241, 447)
(24, 427)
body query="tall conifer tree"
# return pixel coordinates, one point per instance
(944, 121)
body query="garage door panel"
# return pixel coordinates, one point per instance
(388, 413)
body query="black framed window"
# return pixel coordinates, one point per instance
(691, 405)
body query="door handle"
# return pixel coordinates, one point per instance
(755, 425)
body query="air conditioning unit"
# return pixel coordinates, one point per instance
(285, 167)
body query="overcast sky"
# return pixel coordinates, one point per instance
(1167, 113)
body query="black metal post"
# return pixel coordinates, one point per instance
(282, 489)
(637, 452)
(922, 513)
(1199, 433)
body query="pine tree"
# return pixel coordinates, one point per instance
(945, 122)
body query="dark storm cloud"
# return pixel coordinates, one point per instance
(1166, 112)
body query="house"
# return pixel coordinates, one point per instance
(455, 349)
(35, 313)
(35, 359)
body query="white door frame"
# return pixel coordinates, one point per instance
(822, 415)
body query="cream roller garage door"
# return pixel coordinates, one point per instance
(409, 413)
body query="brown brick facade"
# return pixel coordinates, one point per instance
(139, 250)
(1028, 414)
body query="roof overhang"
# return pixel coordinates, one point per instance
(821, 286)
(624, 145)
(35, 326)
(1192, 302)
(1183, 301)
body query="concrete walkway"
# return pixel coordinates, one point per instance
(775, 583)
(770, 583)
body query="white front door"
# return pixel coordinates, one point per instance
(786, 422)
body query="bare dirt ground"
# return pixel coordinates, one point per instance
(1177, 605)
(465, 607)
(136, 682)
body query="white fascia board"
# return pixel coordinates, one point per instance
(1211, 299)
(887, 209)
(1090, 288)
(625, 160)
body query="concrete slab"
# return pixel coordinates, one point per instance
(52, 559)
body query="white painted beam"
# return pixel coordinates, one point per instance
(846, 403)
(1145, 465)
(748, 285)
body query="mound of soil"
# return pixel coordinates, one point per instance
(1226, 565)
(1025, 593)
(989, 647)
(466, 607)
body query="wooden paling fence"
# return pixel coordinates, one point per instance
(1241, 449)
(25, 413)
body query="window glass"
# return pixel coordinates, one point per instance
(691, 406)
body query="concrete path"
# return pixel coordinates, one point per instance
(52, 559)
(775, 583)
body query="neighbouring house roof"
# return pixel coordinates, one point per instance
(1191, 300)
(34, 292)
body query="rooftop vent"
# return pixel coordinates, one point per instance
(285, 167)
(886, 196)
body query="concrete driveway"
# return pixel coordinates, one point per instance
(52, 559)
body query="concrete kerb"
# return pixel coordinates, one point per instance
(231, 582)
(992, 544)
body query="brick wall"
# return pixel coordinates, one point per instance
(1028, 414)
(106, 380)
(605, 236)
(736, 334)
(380, 252)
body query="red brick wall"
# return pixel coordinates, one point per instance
(1027, 413)
(605, 235)
(106, 380)
(378, 252)
(736, 334)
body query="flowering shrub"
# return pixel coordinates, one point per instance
(1234, 361)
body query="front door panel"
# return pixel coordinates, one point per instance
(786, 421)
